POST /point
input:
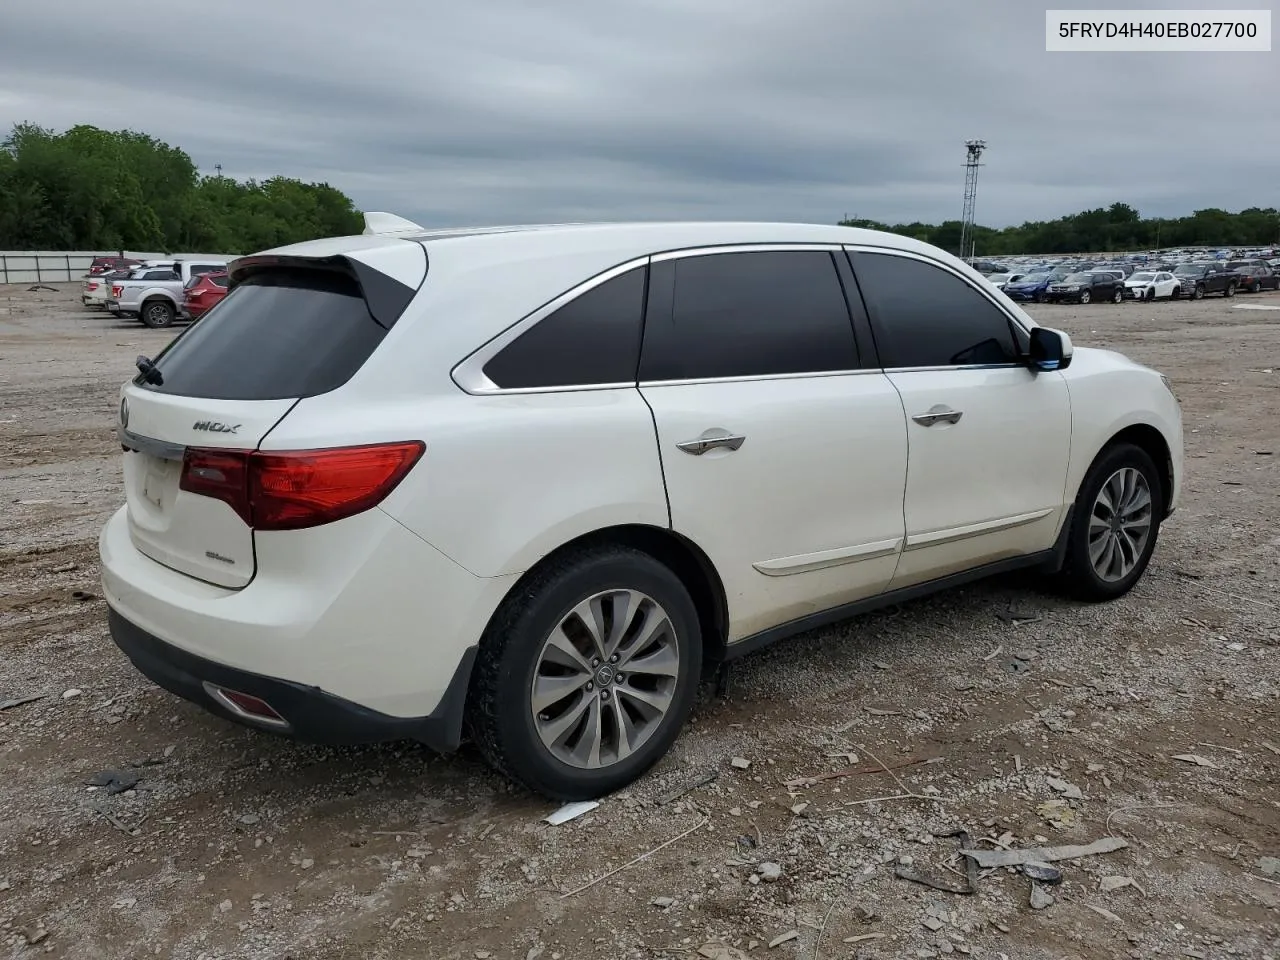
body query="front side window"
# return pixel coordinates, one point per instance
(751, 314)
(593, 339)
(925, 316)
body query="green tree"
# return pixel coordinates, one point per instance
(1118, 227)
(93, 189)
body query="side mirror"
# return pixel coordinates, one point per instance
(1050, 349)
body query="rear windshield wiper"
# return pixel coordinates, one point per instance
(147, 368)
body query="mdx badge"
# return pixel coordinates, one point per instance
(213, 426)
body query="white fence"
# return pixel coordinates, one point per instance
(62, 266)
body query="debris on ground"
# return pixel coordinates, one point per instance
(784, 938)
(1068, 790)
(1110, 884)
(20, 701)
(1269, 865)
(907, 872)
(115, 781)
(1013, 858)
(570, 811)
(1193, 758)
(740, 763)
(1042, 872)
(701, 781)
(1104, 912)
(1040, 897)
(769, 871)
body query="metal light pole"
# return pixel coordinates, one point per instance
(973, 161)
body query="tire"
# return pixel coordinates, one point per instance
(1177, 294)
(1230, 291)
(1039, 298)
(1198, 293)
(1080, 576)
(1257, 287)
(1151, 294)
(157, 313)
(1085, 296)
(1117, 296)
(500, 711)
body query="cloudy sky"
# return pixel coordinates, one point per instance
(507, 111)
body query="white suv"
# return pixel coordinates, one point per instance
(534, 483)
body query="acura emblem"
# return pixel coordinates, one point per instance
(124, 413)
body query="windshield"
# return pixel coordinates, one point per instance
(1079, 278)
(1143, 276)
(1036, 278)
(1188, 268)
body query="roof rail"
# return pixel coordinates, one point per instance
(376, 222)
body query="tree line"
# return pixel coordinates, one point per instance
(1105, 229)
(92, 189)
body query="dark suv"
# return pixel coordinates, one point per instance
(1195, 280)
(1086, 287)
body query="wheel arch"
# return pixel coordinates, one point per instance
(1152, 441)
(684, 557)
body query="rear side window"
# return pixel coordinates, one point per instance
(924, 316)
(593, 339)
(766, 313)
(219, 281)
(160, 275)
(277, 335)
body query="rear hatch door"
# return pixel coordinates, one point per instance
(288, 329)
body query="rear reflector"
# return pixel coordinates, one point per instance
(295, 489)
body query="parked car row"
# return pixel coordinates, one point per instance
(1191, 280)
(157, 292)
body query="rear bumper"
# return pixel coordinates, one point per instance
(310, 714)
(361, 609)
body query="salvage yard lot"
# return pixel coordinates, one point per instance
(999, 708)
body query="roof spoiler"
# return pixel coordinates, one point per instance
(380, 223)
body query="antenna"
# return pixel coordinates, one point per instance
(217, 167)
(973, 161)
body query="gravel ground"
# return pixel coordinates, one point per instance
(1022, 718)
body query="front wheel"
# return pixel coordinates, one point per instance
(1198, 294)
(1230, 291)
(1085, 297)
(1117, 296)
(587, 673)
(1114, 524)
(1039, 298)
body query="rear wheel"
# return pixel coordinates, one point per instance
(1114, 525)
(1257, 287)
(158, 313)
(586, 675)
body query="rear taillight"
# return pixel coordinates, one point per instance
(91, 286)
(116, 290)
(294, 489)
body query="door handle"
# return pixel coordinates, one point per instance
(938, 414)
(703, 444)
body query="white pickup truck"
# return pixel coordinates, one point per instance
(154, 301)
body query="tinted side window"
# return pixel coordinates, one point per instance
(747, 314)
(592, 339)
(924, 316)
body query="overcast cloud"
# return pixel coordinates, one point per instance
(502, 111)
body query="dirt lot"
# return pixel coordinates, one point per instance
(1029, 719)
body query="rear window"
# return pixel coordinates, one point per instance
(277, 335)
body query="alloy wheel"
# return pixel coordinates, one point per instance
(605, 679)
(1120, 524)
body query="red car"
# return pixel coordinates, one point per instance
(204, 291)
(103, 265)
